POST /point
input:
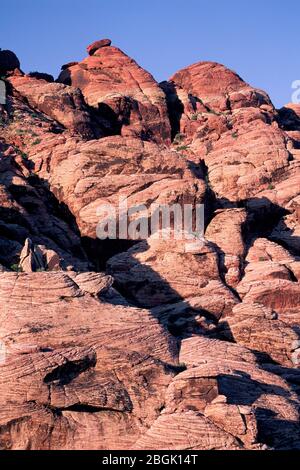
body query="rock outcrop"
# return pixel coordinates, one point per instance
(146, 272)
(87, 175)
(63, 104)
(92, 48)
(217, 115)
(86, 363)
(121, 90)
(8, 62)
(150, 342)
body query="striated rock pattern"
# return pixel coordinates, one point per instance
(121, 90)
(152, 343)
(63, 104)
(78, 362)
(85, 175)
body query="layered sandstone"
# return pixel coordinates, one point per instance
(119, 88)
(172, 343)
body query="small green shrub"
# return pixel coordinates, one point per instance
(178, 138)
(234, 135)
(24, 155)
(212, 111)
(182, 147)
(16, 268)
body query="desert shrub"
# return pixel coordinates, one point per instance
(178, 138)
(182, 147)
(16, 268)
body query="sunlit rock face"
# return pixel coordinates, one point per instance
(158, 342)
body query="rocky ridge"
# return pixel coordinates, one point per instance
(115, 344)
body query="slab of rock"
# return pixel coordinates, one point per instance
(226, 232)
(77, 366)
(266, 251)
(263, 330)
(31, 258)
(148, 275)
(183, 431)
(194, 351)
(35, 258)
(92, 48)
(280, 295)
(92, 283)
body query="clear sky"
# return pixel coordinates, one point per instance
(259, 39)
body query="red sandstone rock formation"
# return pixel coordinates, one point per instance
(120, 89)
(92, 48)
(168, 345)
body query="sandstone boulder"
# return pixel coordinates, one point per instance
(226, 232)
(92, 48)
(160, 272)
(261, 329)
(233, 127)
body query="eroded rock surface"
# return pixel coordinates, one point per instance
(153, 343)
(119, 88)
(76, 364)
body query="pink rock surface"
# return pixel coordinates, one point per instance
(116, 85)
(92, 48)
(156, 343)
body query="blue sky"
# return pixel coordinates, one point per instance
(258, 39)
